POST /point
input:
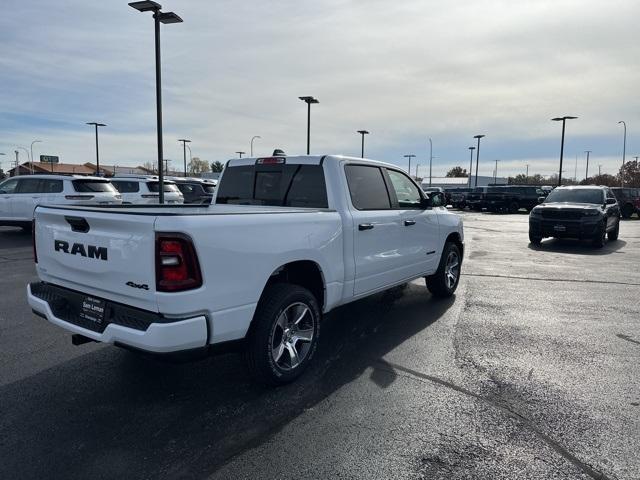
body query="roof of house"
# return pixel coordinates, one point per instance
(39, 167)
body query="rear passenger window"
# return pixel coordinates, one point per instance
(367, 188)
(29, 185)
(126, 187)
(93, 186)
(51, 186)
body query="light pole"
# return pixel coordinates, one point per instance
(430, 159)
(526, 176)
(96, 125)
(586, 172)
(309, 100)
(599, 170)
(416, 177)
(471, 149)
(240, 154)
(252, 139)
(1, 154)
(166, 18)
(495, 173)
(31, 148)
(624, 141)
(363, 133)
(410, 156)
(27, 152)
(184, 153)
(17, 170)
(477, 156)
(563, 120)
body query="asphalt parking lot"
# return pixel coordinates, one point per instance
(532, 371)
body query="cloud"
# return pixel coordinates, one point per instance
(405, 71)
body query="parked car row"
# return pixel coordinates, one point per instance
(628, 199)
(20, 195)
(508, 198)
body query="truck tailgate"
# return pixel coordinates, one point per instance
(102, 253)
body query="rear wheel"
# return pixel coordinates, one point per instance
(445, 281)
(613, 234)
(284, 334)
(514, 207)
(627, 210)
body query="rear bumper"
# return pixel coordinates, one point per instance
(149, 331)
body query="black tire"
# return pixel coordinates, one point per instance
(600, 237)
(627, 210)
(537, 241)
(613, 234)
(440, 284)
(514, 207)
(264, 329)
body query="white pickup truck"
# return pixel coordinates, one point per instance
(288, 239)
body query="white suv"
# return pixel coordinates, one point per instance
(140, 189)
(20, 195)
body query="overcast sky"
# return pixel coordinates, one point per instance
(405, 70)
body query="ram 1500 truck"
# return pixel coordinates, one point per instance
(287, 240)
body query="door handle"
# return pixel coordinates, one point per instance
(365, 226)
(408, 223)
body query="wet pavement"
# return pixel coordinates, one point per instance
(531, 371)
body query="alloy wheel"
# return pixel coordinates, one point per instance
(452, 270)
(292, 336)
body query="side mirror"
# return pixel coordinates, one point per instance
(541, 199)
(611, 201)
(426, 202)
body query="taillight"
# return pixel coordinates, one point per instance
(78, 197)
(177, 266)
(33, 240)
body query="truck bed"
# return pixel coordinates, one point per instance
(168, 210)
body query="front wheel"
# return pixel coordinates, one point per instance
(537, 241)
(284, 334)
(445, 281)
(613, 234)
(600, 237)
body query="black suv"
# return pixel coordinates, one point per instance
(576, 212)
(628, 199)
(195, 190)
(512, 198)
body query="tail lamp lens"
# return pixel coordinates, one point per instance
(177, 267)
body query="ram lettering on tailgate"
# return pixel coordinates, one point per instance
(91, 251)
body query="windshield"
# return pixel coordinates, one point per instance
(587, 195)
(93, 186)
(168, 187)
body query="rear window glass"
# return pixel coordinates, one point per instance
(367, 188)
(126, 186)
(93, 186)
(277, 185)
(168, 187)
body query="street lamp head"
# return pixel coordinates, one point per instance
(146, 6)
(566, 117)
(472, 148)
(184, 140)
(309, 99)
(478, 136)
(97, 124)
(363, 132)
(622, 121)
(409, 156)
(169, 17)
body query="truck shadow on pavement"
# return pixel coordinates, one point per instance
(14, 238)
(113, 414)
(579, 247)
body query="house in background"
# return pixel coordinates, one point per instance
(74, 169)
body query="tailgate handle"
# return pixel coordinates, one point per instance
(78, 224)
